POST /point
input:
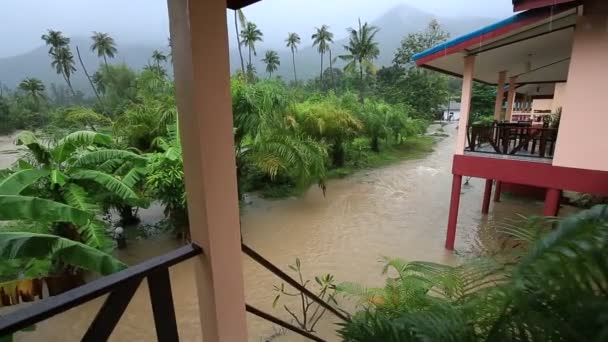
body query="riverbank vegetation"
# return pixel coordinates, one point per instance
(117, 148)
(552, 287)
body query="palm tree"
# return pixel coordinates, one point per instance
(322, 38)
(158, 57)
(272, 61)
(63, 62)
(293, 40)
(249, 36)
(55, 39)
(104, 45)
(239, 17)
(34, 87)
(61, 55)
(331, 123)
(363, 50)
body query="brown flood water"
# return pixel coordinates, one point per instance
(397, 211)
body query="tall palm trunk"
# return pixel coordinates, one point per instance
(331, 70)
(362, 85)
(105, 61)
(67, 80)
(87, 74)
(293, 59)
(238, 41)
(321, 77)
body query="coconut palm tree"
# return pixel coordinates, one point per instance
(63, 62)
(249, 36)
(321, 39)
(239, 17)
(158, 57)
(362, 51)
(55, 39)
(61, 55)
(272, 61)
(104, 45)
(292, 42)
(34, 87)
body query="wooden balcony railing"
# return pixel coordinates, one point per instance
(512, 139)
(121, 287)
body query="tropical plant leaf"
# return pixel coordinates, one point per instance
(71, 142)
(100, 157)
(77, 197)
(20, 180)
(13, 207)
(41, 246)
(29, 140)
(114, 185)
(134, 176)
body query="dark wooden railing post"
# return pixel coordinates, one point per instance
(163, 309)
(110, 313)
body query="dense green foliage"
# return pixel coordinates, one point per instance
(555, 290)
(120, 150)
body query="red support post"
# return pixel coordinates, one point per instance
(487, 193)
(498, 191)
(552, 199)
(453, 216)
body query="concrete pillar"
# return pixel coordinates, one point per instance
(202, 79)
(511, 98)
(487, 193)
(453, 216)
(497, 191)
(500, 95)
(465, 102)
(552, 199)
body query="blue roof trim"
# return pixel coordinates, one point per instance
(469, 36)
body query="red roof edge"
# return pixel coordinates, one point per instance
(524, 5)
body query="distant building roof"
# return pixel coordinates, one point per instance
(454, 106)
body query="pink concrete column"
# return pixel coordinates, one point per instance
(487, 194)
(511, 98)
(497, 191)
(500, 95)
(199, 36)
(552, 199)
(465, 102)
(453, 216)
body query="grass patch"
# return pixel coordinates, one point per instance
(412, 148)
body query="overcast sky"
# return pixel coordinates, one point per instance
(22, 22)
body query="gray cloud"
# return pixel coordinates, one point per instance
(145, 21)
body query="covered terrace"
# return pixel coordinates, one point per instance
(527, 57)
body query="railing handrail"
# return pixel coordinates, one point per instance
(51, 306)
(121, 287)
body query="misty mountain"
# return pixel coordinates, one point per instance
(394, 25)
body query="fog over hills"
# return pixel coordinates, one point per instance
(394, 24)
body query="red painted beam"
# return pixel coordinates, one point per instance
(552, 199)
(487, 194)
(453, 216)
(532, 173)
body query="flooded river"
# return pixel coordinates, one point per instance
(398, 211)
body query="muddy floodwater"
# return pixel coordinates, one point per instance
(397, 211)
